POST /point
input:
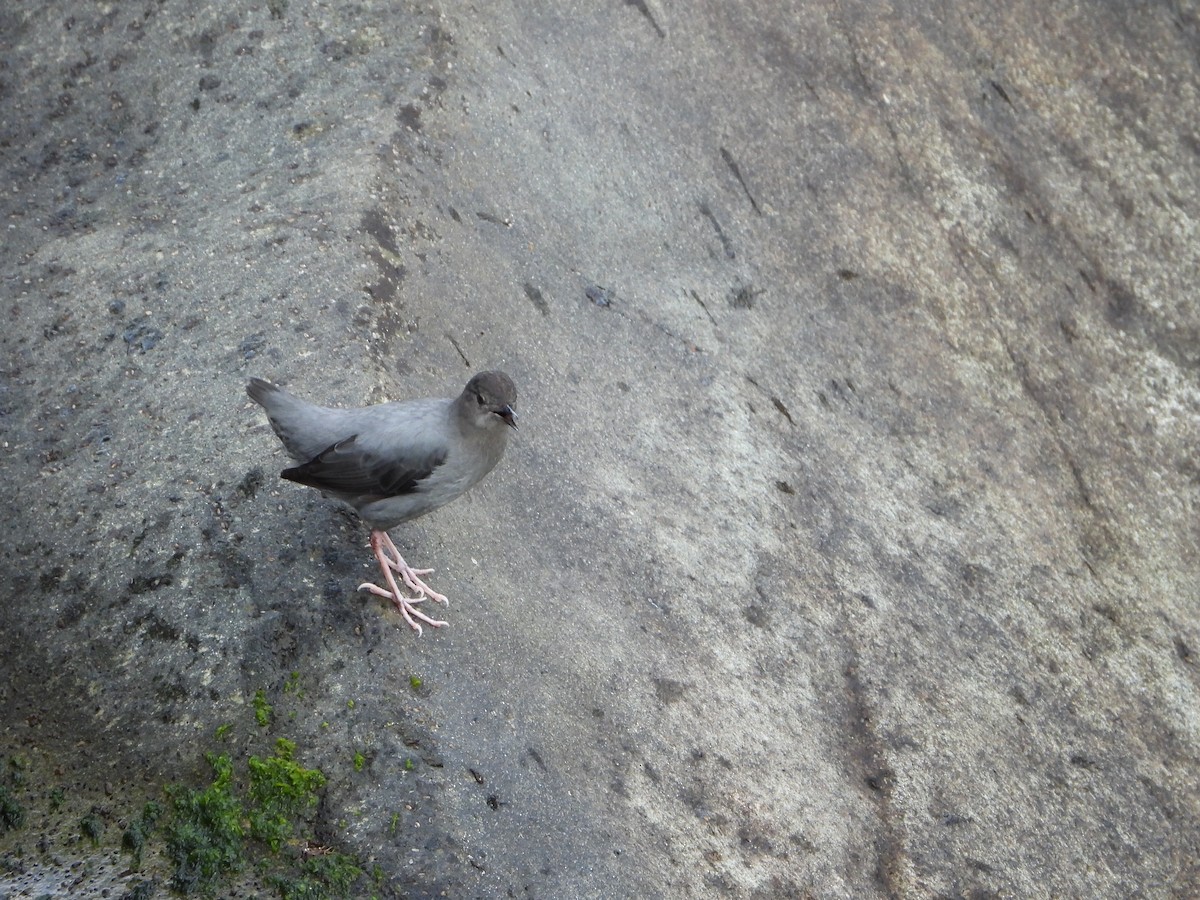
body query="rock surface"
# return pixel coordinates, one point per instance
(869, 567)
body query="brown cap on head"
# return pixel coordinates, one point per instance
(496, 392)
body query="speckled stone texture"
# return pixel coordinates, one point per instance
(848, 547)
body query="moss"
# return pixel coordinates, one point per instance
(17, 768)
(134, 841)
(280, 789)
(292, 685)
(151, 813)
(213, 832)
(92, 828)
(324, 876)
(222, 731)
(143, 890)
(12, 814)
(338, 870)
(359, 761)
(262, 709)
(251, 822)
(140, 829)
(415, 681)
(205, 837)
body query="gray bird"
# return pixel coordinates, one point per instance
(395, 461)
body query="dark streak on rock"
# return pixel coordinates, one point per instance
(640, 6)
(885, 111)
(1083, 761)
(451, 339)
(536, 298)
(410, 116)
(775, 401)
(757, 615)
(737, 173)
(1176, 340)
(703, 306)
(605, 298)
(726, 244)
(743, 297)
(384, 290)
(879, 778)
(783, 409)
(376, 225)
(599, 296)
(836, 388)
(999, 89)
(1182, 650)
(493, 219)
(537, 758)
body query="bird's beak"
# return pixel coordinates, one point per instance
(508, 415)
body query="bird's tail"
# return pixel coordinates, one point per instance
(261, 392)
(304, 428)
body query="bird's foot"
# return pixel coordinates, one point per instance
(389, 556)
(412, 578)
(406, 606)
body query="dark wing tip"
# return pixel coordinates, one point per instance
(315, 472)
(398, 478)
(345, 469)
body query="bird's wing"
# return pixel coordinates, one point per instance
(350, 469)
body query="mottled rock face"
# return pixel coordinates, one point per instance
(849, 545)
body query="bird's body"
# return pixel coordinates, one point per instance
(394, 462)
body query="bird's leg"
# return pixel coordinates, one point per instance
(411, 576)
(406, 605)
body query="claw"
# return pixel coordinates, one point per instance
(406, 606)
(412, 577)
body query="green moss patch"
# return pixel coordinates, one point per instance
(262, 709)
(280, 790)
(259, 817)
(205, 836)
(12, 814)
(246, 826)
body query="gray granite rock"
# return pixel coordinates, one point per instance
(871, 569)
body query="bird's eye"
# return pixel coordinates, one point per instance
(479, 399)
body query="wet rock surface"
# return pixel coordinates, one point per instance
(848, 546)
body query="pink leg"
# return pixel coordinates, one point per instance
(405, 605)
(411, 576)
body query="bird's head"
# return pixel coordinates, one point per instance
(489, 399)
